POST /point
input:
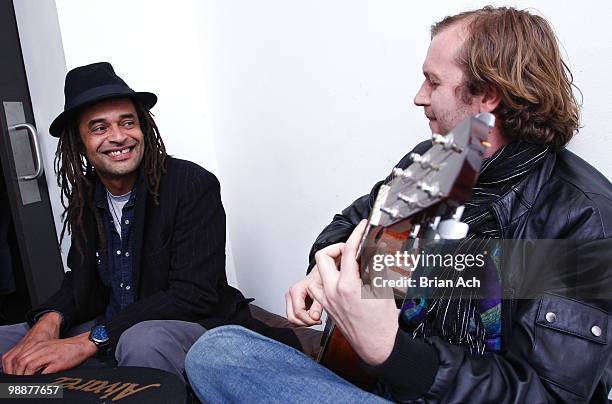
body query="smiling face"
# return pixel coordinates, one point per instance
(113, 140)
(442, 93)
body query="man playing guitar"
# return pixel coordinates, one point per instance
(548, 348)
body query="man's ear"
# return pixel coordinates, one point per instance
(490, 100)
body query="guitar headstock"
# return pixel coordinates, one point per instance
(412, 203)
(446, 172)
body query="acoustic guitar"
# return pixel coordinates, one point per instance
(419, 204)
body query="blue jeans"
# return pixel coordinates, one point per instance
(233, 364)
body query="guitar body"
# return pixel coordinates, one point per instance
(406, 215)
(336, 352)
(337, 355)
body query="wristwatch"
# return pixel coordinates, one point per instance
(99, 336)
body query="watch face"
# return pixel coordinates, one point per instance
(99, 334)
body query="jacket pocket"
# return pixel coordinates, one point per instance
(572, 343)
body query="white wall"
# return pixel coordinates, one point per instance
(299, 107)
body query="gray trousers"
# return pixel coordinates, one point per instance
(159, 344)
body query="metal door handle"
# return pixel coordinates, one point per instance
(38, 163)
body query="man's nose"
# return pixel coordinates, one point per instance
(421, 98)
(116, 135)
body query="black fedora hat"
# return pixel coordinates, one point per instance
(86, 85)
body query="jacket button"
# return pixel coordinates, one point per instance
(551, 317)
(596, 331)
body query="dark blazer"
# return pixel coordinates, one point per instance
(179, 259)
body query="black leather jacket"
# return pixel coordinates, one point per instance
(540, 362)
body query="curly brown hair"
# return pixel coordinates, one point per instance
(76, 175)
(517, 54)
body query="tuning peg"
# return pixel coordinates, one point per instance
(391, 212)
(453, 228)
(458, 212)
(416, 157)
(430, 232)
(430, 190)
(398, 172)
(423, 161)
(446, 141)
(429, 164)
(435, 222)
(415, 231)
(439, 139)
(456, 148)
(410, 200)
(425, 187)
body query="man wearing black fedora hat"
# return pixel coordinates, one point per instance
(147, 260)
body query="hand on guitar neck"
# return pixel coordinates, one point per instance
(339, 290)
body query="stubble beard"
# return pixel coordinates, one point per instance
(448, 120)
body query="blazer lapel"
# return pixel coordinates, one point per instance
(142, 195)
(84, 274)
(84, 267)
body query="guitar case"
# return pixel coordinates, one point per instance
(123, 385)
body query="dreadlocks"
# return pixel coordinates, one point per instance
(76, 175)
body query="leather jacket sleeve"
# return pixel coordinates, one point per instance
(61, 301)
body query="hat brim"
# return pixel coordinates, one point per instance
(148, 100)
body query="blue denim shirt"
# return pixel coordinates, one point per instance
(116, 268)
